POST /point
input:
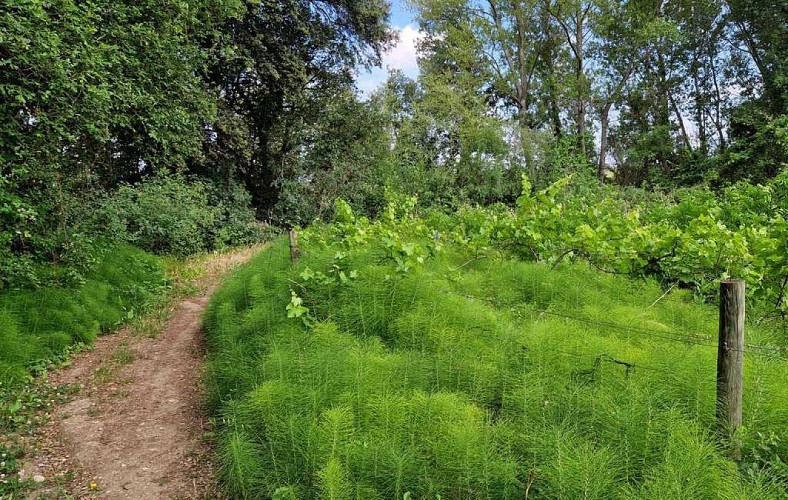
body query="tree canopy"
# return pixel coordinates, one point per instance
(260, 96)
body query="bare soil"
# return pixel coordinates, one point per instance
(135, 427)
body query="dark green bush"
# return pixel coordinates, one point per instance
(165, 214)
(177, 216)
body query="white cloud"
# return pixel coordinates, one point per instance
(403, 56)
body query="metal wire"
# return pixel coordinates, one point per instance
(683, 337)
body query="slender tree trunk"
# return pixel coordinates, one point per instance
(663, 111)
(555, 112)
(552, 46)
(717, 99)
(684, 135)
(580, 81)
(603, 126)
(700, 105)
(605, 114)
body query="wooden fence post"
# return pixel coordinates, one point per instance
(730, 360)
(294, 251)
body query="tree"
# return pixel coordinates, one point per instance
(627, 35)
(94, 94)
(445, 146)
(575, 18)
(760, 29)
(758, 38)
(496, 45)
(272, 68)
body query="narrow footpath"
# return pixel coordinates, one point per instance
(134, 427)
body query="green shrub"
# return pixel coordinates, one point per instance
(173, 215)
(55, 241)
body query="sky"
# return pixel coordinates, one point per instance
(401, 56)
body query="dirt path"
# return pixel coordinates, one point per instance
(134, 428)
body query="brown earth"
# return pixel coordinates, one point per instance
(135, 427)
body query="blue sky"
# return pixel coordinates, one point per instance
(402, 56)
(400, 14)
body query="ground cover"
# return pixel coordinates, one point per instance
(387, 364)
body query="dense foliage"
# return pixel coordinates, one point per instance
(690, 238)
(164, 215)
(412, 352)
(261, 95)
(91, 95)
(656, 93)
(40, 324)
(168, 215)
(96, 97)
(391, 364)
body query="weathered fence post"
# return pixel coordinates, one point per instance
(730, 360)
(294, 251)
(436, 235)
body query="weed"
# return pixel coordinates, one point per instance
(104, 374)
(123, 355)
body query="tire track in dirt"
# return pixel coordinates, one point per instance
(134, 428)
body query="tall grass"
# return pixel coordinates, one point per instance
(455, 381)
(38, 324)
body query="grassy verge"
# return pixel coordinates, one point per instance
(472, 377)
(41, 329)
(128, 288)
(38, 325)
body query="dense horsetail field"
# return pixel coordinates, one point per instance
(356, 373)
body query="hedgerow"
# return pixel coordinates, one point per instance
(391, 362)
(162, 214)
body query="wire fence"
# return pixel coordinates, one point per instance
(687, 338)
(603, 357)
(680, 337)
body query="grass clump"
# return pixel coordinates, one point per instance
(453, 376)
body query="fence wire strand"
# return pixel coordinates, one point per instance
(682, 337)
(689, 338)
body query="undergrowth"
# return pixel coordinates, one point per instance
(391, 366)
(38, 324)
(143, 294)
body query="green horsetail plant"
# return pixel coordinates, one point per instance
(466, 377)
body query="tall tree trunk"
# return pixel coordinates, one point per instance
(663, 111)
(717, 119)
(555, 112)
(580, 80)
(700, 105)
(603, 126)
(684, 134)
